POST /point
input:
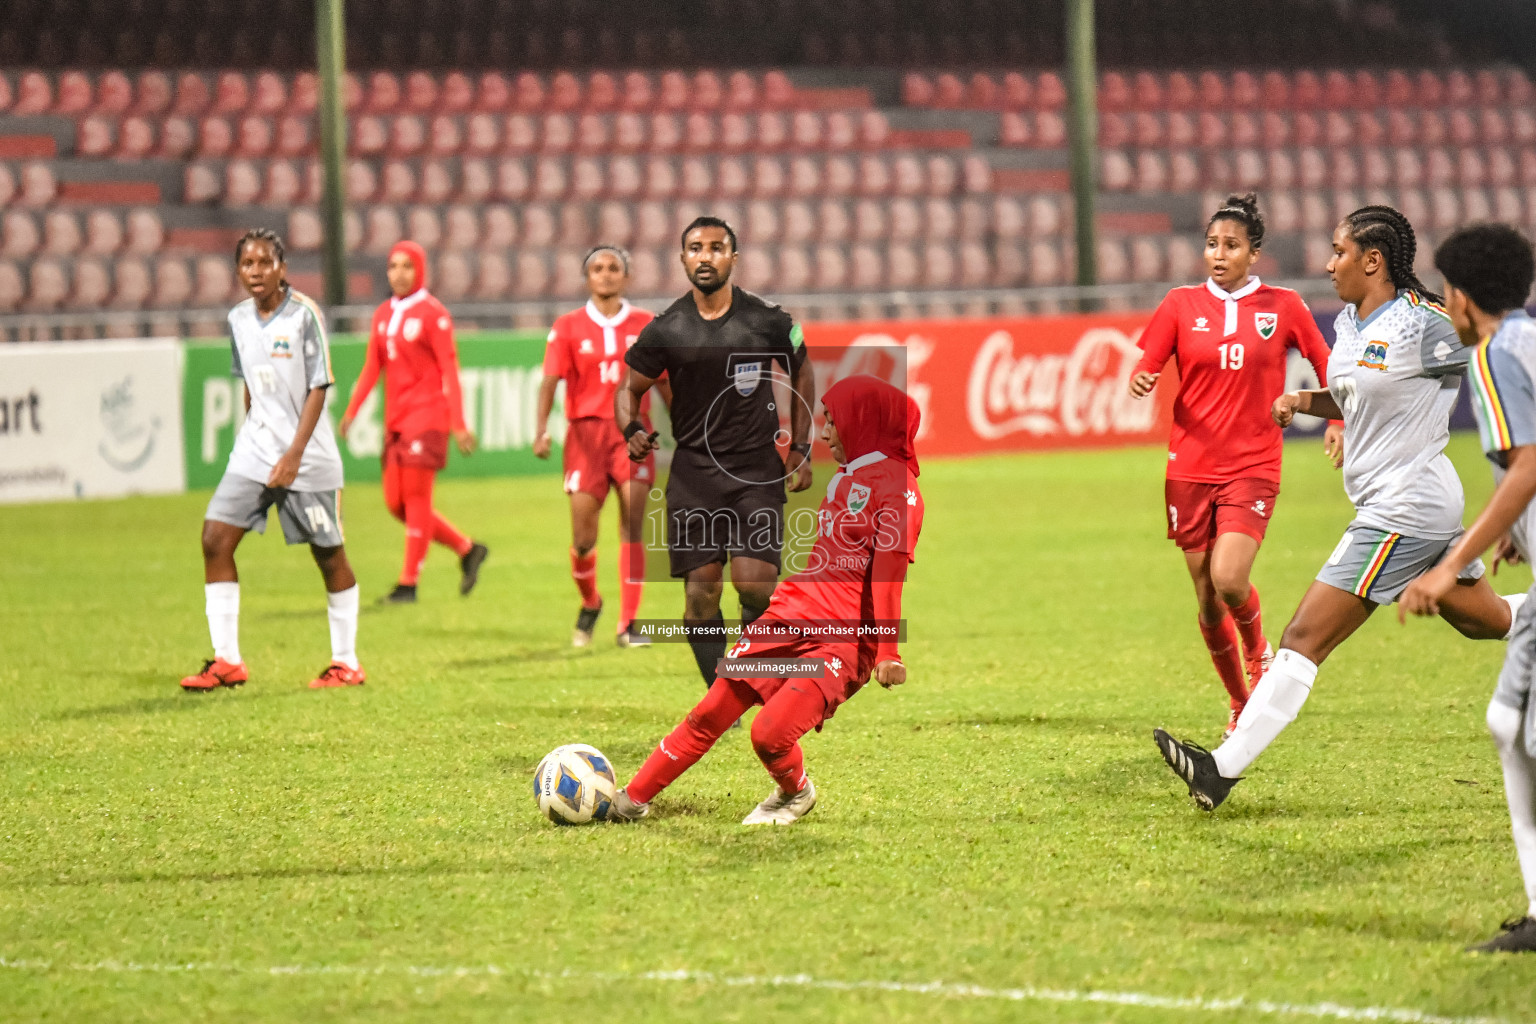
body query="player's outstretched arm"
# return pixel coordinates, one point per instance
(1508, 502)
(1313, 403)
(364, 386)
(626, 410)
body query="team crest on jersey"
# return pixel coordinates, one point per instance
(412, 330)
(586, 346)
(1201, 324)
(746, 377)
(1374, 357)
(281, 349)
(1265, 324)
(858, 497)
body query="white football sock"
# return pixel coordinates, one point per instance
(222, 604)
(1519, 788)
(1514, 601)
(1275, 703)
(341, 609)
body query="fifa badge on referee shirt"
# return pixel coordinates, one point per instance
(746, 377)
(858, 497)
(1265, 324)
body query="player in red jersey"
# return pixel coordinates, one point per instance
(843, 609)
(1230, 338)
(586, 350)
(411, 341)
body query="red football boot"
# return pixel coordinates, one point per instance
(216, 673)
(339, 675)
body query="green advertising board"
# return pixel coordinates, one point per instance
(500, 374)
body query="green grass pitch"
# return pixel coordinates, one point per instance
(1001, 824)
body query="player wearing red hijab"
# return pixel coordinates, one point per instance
(411, 341)
(843, 610)
(586, 350)
(1230, 338)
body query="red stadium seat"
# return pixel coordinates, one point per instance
(437, 185)
(1376, 169)
(550, 179)
(254, 137)
(1050, 93)
(397, 182)
(557, 133)
(1114, 131)
(1307, 91)
(1116, 172)
(762, 225)
(540, 225)
(103, 233)
(587, 179)
(1502, 169)
(423, 226)
(19, 237)
(870, 223)
(1018, 92)
(1212, 91)
(615, 225)
(948, 92)
(215, 282)
(47, 286)
(1429, 88)
(1345, 202)
(741, 92)
(1493, 127)
(906, 220)
(1402, 128)
(1014, 129)
(1146, 92)
(1047, 216)
(304, 93)
(305, 231)
(1461, 128)
(907, 174)
(1151, 172)
(1475, 205)
(1338, 131)
(528, 93)
(382, 229)
(696, 178)
(477, 181)
(201, 183)
(832, 222)
(646, 270)
(1508, 206)
(242, 183)
(1010, 218)
(1311, 169)
(513, 181)
(1245, 92)
(916, 90)
(73, 96)
(192, 95)
(445, 136)
(293, 137)
(61, 233)
(500, 228)
(1216, 170)
(874, 175)
(941, 220)
(639, 95)
(493, 277)
(806, 130)
(1249, 170)
(1183, 171)
(735, 132)
(672, 92)
(1528, 167)
(457, 95)
(629, 133)
(114, 95)
(420, 94)
(1046, 265)
(135, 139)
(1439, 168)
(778, 93)
(903, 267)
(1180, 92)
(982, 93)
(940, 268)
(707, 91)
(768, 179)
(624, 178)
(1343, 169)
(804, 177)
(153, 93)
(1397, 89)
(91, 286)
(483, 134)
(1146, 259)
(1444, 209)
(975, 266)
(532, 279)
(1147, 130)
(95, 137)
(461, 228)
(1518, 91)
(829, 267)
(868, 269)
(215, 138)
(362, 184)
(1471, 171)
(231, 95)
(839, 176)
(132, 284)
(570, 279)
(602, 92)
(732, 178)
(699, 133)
(493, 93)
(453, 277)
(592, 133)
(666, 133)
(38, 184)
(1407, 168)
(1114, 93)
(1459, 89)
(652, 224)
(173, 284)
(407, 135)
(798, 221)
(269, 95)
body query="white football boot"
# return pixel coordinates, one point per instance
(783, 808)
(625, 809)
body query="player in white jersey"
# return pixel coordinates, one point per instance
(1392, 377)
(285, 455)
(1488, 272)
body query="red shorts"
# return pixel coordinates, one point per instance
(596, 457)
(427, 449)
(1198, 512)
(848, 665)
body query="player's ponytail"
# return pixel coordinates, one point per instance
(1388, 232)
(1245, 210)
(269, 236)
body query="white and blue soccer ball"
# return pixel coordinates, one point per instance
(574, 784)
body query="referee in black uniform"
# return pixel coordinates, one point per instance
(721, 348)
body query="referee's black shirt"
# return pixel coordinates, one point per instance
(722, 394)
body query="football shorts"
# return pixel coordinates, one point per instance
(427, 449)
(307, 517)
(1378, 565)
(1514, 687)
(1199, 512)
(596, 458)
(716, 512)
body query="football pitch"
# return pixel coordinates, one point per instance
(996, 840)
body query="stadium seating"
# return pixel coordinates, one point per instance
(508, 177)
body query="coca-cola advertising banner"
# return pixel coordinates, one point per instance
(1016, 384)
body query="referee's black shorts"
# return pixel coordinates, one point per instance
(721, 507)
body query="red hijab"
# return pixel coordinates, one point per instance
(873, 416)
(418, 256)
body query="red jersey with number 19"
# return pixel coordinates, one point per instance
(1230, 350)
(586, 349)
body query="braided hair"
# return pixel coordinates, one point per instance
(1245, 210)
(267, 235)
(1388, 232)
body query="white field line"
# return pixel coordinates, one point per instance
(947, 990)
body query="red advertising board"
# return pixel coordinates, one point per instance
(1006, 384)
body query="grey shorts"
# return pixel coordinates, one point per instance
(1514, 687)
(1378, 565)
(308, 517)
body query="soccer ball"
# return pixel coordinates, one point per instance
(574, 785)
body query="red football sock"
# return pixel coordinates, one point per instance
(444, 533)
(393, 499)
(795, 710)
(1250, 623)
(416, 492)
(1221, 640)
(584, 572)
(631, 580)
(725, 702)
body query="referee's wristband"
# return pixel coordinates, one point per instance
(635, 427)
